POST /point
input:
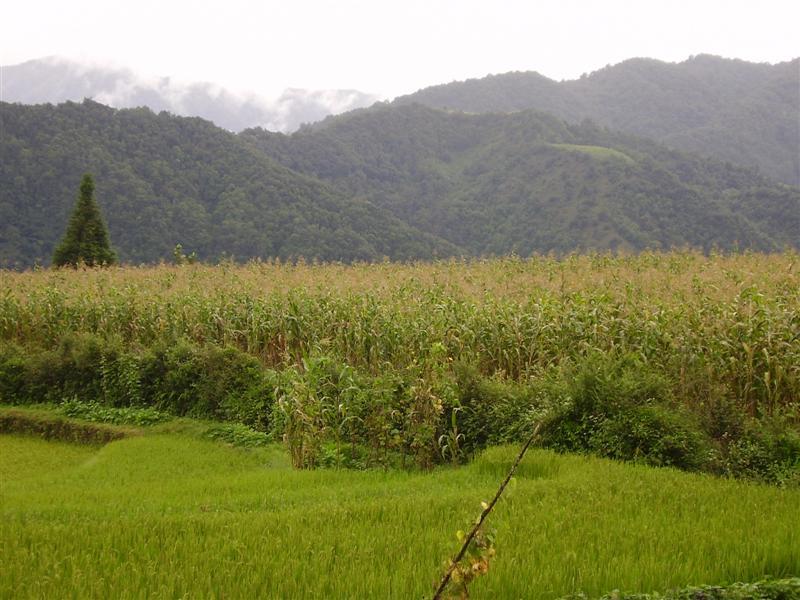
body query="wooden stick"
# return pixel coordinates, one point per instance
(446, 579)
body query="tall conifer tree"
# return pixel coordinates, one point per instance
(86, 239)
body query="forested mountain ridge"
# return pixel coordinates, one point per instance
(733, 110)
(399, 181)
(163, 180)
(529, 182)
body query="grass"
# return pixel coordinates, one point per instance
(599, 152)
(24, 456)
(169, 515)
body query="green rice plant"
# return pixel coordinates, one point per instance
(173, 515)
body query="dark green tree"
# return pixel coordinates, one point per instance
(86, 240)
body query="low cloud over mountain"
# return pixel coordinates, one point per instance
(56, 79)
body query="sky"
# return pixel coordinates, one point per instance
(389, 47)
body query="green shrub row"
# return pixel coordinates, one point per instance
(330, 413)
(621, 408)
(775, 589)
(183, 379)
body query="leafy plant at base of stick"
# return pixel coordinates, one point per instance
(476, 562)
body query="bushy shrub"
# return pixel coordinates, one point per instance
(182, 379)
(619, 408)
(655, 435)
(13, 374)
(71, 368)
(766, 451)
(346, 457)
(81, 364)
(208, 382)
(723, 417)
(495, 411)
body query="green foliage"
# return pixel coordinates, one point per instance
(179, 258)
(403, 182)
(13, 374)
(669, 359)
(182, 379)
(208, 382)
(599, 152)
(236, 434)
(497, 411)
(765, 451)
(72, 369)
(656, 435)
(86, 239)
(92, 411)
(620, 408)
(768, 589)
(334, 456)
(395, 416)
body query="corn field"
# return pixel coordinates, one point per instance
(729, 323)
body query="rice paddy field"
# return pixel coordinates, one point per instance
(168, 515)
(357, 368)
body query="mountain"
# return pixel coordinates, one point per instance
(54, 80)
(163, 180)
(529, 182)
(402, 181)
(745, 113)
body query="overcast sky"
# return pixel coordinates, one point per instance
(389, 47)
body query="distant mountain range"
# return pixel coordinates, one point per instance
(55, 80)
(737, 111)
(399, 181)
(645, 154)
(528, 182)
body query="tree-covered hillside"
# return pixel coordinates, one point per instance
(163, 180)
(737, 111)
(398, 181)
(528, 182)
